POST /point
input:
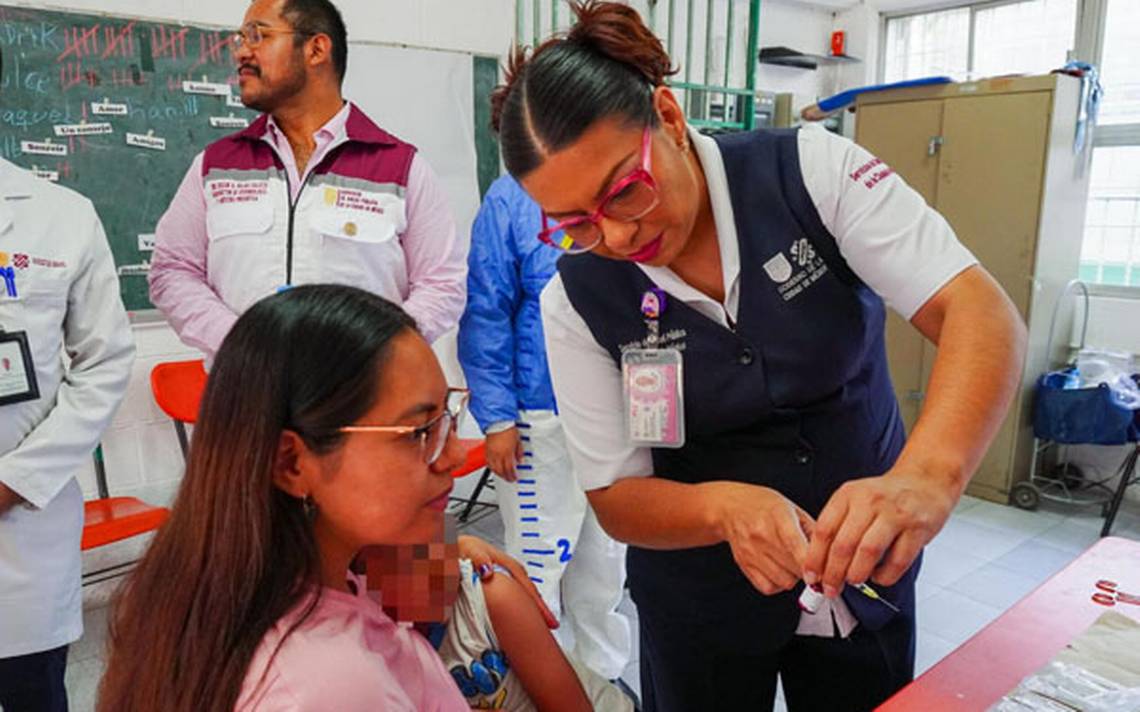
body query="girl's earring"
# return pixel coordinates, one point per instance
(309, 506)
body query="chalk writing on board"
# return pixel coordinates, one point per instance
(52, 176)
(44, 148)
(136, 270)
(209, 88)
(83, 129)
(228, 122)
(146, 141)
(107, 108)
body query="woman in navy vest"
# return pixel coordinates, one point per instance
(760, 262)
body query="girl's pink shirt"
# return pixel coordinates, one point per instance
(348, 655)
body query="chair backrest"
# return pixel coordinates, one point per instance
(178, 388)
(476, 457)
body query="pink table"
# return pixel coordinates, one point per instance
(984, 668)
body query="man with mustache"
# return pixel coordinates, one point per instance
(312, 191)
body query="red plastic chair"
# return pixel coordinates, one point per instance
(177, 387)
(476, 459)
(110, 519)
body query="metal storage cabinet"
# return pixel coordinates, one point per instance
(996, 158)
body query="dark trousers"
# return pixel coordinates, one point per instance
(679, 673)
(34, 683)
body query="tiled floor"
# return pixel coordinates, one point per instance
(986, 558)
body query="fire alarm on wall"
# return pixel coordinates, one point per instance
(838, 43)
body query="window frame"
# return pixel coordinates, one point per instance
(974, 7)
(1088, 46)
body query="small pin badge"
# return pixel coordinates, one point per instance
(653, 303)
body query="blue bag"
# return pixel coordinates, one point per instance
(1091, 416)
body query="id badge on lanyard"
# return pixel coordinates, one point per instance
(653, 385)
(17, 370)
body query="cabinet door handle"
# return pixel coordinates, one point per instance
(916, 396)
(933, 145)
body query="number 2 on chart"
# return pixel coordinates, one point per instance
(564, 545)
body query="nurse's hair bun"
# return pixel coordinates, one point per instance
(606, 67)
(615, 30)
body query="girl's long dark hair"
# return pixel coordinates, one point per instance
(607, 65)
(237, 553)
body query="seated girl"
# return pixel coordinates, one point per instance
(326, 426)
(491, 636)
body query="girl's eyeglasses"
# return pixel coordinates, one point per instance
(433, 434)
(630, 199)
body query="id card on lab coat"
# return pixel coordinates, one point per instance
(654, 397)
(17, 372)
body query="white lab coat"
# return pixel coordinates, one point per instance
(68, 302)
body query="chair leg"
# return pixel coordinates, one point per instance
(101, 473)
(1127, 475)
(183, 442)
(483, 479)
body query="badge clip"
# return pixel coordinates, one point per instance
(652, 307)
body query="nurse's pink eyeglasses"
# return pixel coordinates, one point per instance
(631, 198)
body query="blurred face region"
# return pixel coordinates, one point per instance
(415, 583)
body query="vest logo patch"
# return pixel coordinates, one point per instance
(793, 279)
(350, 199)
(227, 191)
(778, 268)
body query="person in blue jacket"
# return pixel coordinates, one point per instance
(548, 524)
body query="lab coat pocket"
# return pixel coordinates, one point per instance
(40, 309)
(354, 226)
(41, 299)
(356, 247)
(45, 291)
(238, 219)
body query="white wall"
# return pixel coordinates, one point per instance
(805, 29)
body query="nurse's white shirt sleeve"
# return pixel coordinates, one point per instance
(587, 386)
(897, 244)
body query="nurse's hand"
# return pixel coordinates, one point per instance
(483, 557)
(872, 529)
(767, 533)
(504, 451)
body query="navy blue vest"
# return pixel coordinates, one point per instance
(798, 398)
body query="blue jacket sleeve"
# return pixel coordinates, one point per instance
(486, 330)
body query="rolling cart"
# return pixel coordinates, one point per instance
(1064, 414)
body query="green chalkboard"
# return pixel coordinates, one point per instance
(486, 145)
(57, 65)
